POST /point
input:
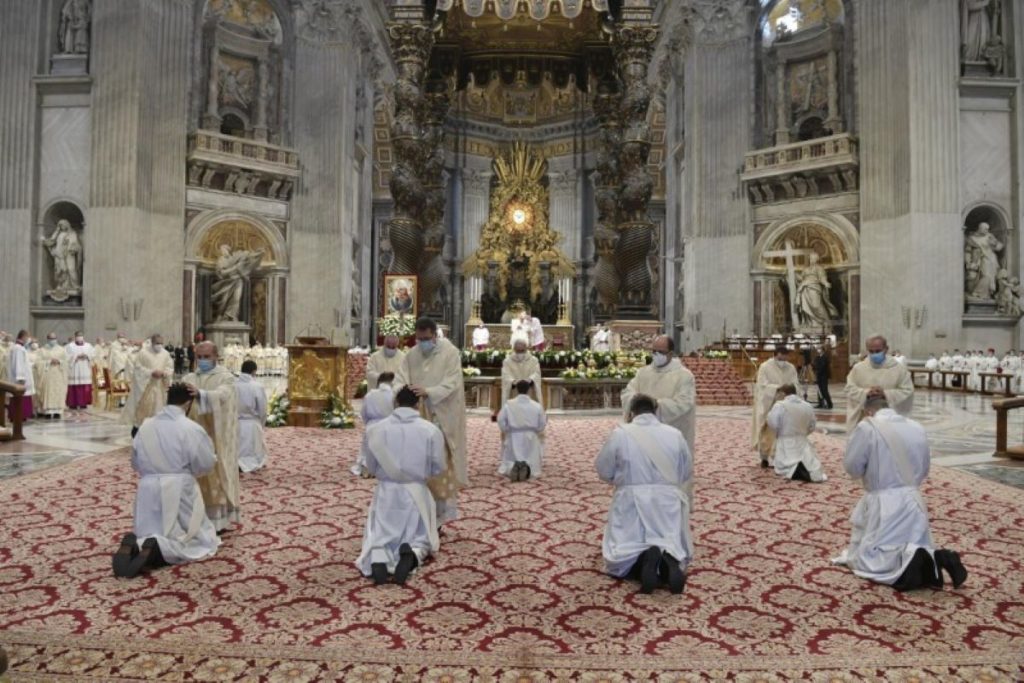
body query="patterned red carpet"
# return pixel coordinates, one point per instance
(516, 593)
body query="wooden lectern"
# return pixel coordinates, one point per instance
(316, 369)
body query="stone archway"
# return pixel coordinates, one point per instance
(805, 273)
(263, 305)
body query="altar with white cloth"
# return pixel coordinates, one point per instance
(555, 336)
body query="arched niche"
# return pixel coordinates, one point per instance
(985, 256)
(787, 252)
(265, 291)
(60, 259)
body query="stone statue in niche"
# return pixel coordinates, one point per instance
(981, 39)
(73, 31)
(981, 263)
(812, 296)
(1007, 294)
(357, 293)
(66, 251)
(233, 271)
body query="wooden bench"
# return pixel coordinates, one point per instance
(1002, 407)
(7, 392)
(963, 374)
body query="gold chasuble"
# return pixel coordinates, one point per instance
(216, 411)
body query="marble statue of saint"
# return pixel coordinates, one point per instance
(73, 31)
(812, 295)
(982, 259)
(975, 28)
(66, 251)
(233, 270)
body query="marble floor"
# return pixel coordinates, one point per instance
(961, 428)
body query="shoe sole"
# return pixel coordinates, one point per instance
(676, 580)
(379, 572)
(122, 562)
(406, 563)
(649, 572)
(955, 568)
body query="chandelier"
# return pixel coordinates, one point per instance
(537, 9)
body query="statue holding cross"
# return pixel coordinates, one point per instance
(791, 275)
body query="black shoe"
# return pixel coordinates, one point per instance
(801, 473)
(649, 570)
(524, 472)
(127, 551)
(671, 574)
(764, 463)
(379, 570)
(949, 560)
(920, 572)
(406, 563)
(148, 554)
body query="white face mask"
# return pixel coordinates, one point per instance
(520, 355)
(389, 352)
(660, 359)
(157, 348)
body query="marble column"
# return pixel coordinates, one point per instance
(19, 50)
(907, 66)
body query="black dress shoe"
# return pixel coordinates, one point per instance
(524, 473)
(801, 473)
(764, 463)
(671, 574)
(920, 572)
(649, 570)
(148, 554)
(379, 571)
(949, 560)
(126, 552)
(406, 563)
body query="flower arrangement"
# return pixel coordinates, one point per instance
(711, 353)
(277, 410)
(610, 372)
(361, 389)
(560, 358)
(337, 414)
(400, 326)
(470, 371)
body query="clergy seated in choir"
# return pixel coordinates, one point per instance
(404, 451)
(520, 365)
(252, 414)
(169, 452)
(522, 421)
(648, 531)
(52, 390)
(877, 375)
(215, 408)
(671, 384)
(151, 375)
(932, 364)
(79, 353)
(890, 539)
(19, 371)
(378, 403)
(433, 370)
(387, 358)
(792, 420)
(771, 375)
(481, 337)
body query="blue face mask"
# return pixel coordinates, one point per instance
(426, 345)
(877, 358)
(206, 364)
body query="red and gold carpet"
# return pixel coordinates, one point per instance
(516, 593)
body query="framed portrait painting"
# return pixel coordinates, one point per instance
(400, 295)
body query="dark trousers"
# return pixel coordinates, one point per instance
(824, 399)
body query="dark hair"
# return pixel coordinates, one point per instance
(642, 403)
(523, 386)
(407, 398)
(249, 367)
(22, 334)
(178, 394)
(426, 324)
(385, 378)
(788, 389)
(781, 348)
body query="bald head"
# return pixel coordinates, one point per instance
(876, 341)
(519, 345)
(663, 344)
(207, 350)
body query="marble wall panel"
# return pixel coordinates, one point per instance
(64, 154)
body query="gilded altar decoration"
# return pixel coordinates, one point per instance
(311, 376)
(239, 236)
(517, 238)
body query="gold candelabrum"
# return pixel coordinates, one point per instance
(474, 316)
(563, 314)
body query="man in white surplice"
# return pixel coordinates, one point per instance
(671, 384)
(520, 365)
(403, 452)
(481, 337)
(522, 421)
(890, 542)
(378, 403)
(387, 358)
(932, 365)
(601, 339)
(151, 375)
(648, 530)
(169, 452)
(252, 415)
(80, 355)
(792, 419)
(433, 370)
(771, 375)
(877, 375)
